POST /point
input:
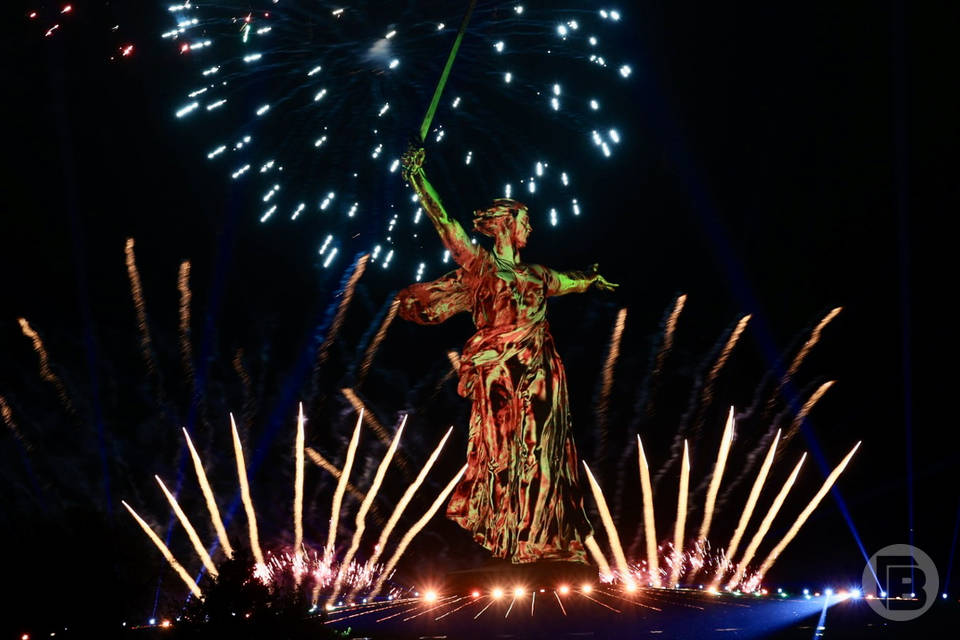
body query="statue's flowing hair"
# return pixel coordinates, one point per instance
(488, 221)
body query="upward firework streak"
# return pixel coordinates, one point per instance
(405, 500)
(722, 455)
(734, 544)
(7, 415)
(644, 406)
(186, 347)
(245, 495)
(650, 528)
(375, 343)
(361, 519)
(371, 420)
(298, 487)
(603, 405)
(188, 527)
(45, 371)
(611, 528)
(669, 330)
(208, 496)
(680, 525)
(809, 345)
(802, 518)
(190, 582)
(341, 312)
(454, 359)
(765, 525)
(415, 529)
(706, 394)
(341, 487)
(136, 290)
(598, 557)
(806, 408)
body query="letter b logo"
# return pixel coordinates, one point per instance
(901, 582)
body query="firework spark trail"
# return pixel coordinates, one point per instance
(594, 549)
(375, 343)
(405, 500)
(754, 456)
(317, 458)
(734, 544)
(360, 522)
(716, 478)
(415, 529)
(245, 494)
(705, 396)
(805, 410)
(140, 305)
(337, 323)
(298, 487)
(8, 420)
(681, 523)
(188, 527)
(669, 330)
(707, 393)
(208, 496)
(765, 525)
(454, 359)
(603, 402)
(802, 518)
(190, 582)
(650, 528)
(371, 420)
(186, 345)
(338, 493)
(247, 385)
(644, 407)
(805, 350)
(646, 399)
(46, 372)
(610, 527)
(795, 364)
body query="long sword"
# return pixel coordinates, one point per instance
(432, 109)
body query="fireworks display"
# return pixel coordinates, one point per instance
(360, 490)
(326, 570)
(722, 166)
(311, 107)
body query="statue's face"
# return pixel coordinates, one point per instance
(522, 228)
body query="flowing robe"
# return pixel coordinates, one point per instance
(520, 496)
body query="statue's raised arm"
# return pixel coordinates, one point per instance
(563, 282)
(451, 233)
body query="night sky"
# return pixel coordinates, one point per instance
(779, 161)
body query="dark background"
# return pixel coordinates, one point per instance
(789, 159)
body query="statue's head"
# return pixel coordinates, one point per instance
(506, 216)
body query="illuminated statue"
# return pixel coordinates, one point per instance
(520, 496)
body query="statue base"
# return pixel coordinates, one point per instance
(505, 575)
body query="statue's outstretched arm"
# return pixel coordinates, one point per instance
(451, 233)
(563, 282)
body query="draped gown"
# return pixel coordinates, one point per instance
(520, 496)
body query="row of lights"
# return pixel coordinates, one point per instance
(518, 592)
